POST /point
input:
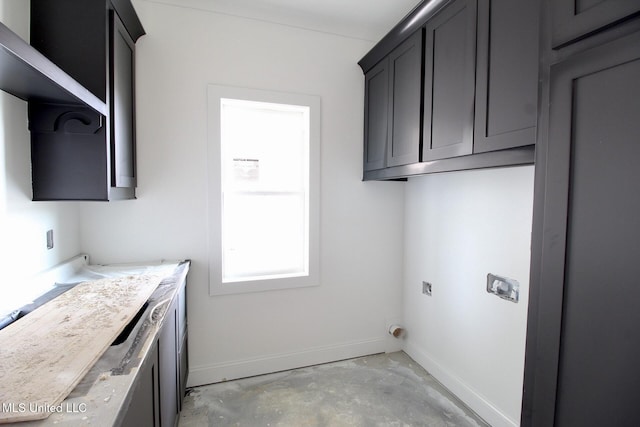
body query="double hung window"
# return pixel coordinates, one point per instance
(263, 162)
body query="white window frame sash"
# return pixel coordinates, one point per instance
(216, 286)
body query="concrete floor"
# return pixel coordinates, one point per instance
(381, 390)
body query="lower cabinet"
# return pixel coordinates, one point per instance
(160, 387)
(183, 372)
(143, 407)
(183, 345)
(168, 369)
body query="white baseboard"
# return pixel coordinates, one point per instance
(463, 391)
(208, 374)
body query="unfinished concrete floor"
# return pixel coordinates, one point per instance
(380, 390)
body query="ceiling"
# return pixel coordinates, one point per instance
(363, 19)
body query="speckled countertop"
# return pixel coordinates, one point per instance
(100, 396)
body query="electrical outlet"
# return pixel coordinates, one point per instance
(49, 239)
(426, 288)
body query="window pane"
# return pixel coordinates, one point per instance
(272, 138)
(265, 184)
(263, 235)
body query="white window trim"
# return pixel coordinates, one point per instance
(216, 286)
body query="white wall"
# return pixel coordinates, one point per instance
(361, 223)
(23, 223)
(459, 227)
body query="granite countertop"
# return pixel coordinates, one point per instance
(99, 397)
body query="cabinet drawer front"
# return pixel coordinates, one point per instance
(575, 19)
(449, 81)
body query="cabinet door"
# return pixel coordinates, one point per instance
(143, 407)
(450, 53)
(405, 76)
(507, 74)
(121, 100)
(183, 347)
(183, 372)
(574, 19)
(376, 107)
(586, 367)
(168, 372)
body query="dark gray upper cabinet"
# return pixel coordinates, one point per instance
(376, 102)
(121, 95)
(93, 41)
(575, 19)
(506, 74)
(475, 111)
(405, 76)
(392, 107)
(450, 53)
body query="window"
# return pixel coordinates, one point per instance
(263, 195)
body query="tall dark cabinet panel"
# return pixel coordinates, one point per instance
(583, 346)
(376, 110)
(450, 54)
(405, 75)
(93, 41)
(392, 107)
(506, 74)
(599, 96)
(574, 19)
